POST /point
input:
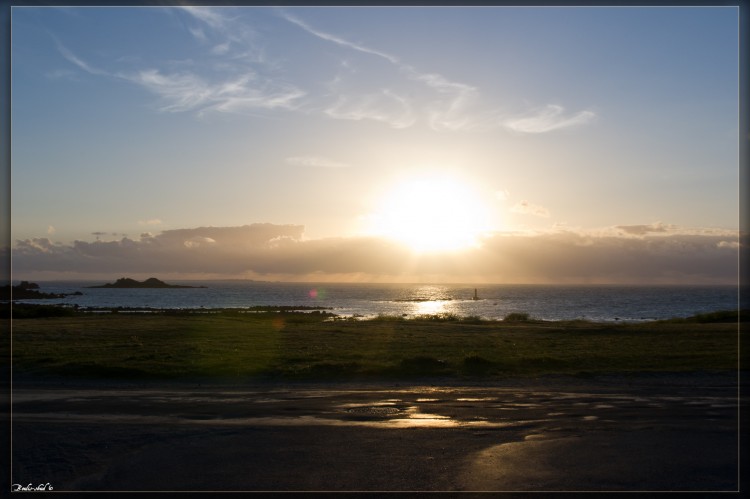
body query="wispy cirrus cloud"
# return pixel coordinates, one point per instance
(527, 208)
(71, 57)
(221, 48)
(547, 119)
(61, 74)
(385, 106)
(240, 85)
(180, 91)
(452, 105)
(234, 82)
(315, 161)
(231, 71)
(198, 34)
(445, 109)
(210, 16)
(337, 40)
(152, 221)
(228, 36)
(188, 91)
(449, 110)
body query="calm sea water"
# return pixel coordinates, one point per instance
(599, 303)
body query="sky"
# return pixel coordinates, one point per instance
(384, 144)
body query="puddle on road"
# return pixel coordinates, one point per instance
(535, 436)
(375, 409)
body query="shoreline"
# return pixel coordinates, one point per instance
(561, 302)
(38, 308)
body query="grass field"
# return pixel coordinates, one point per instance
(302, 346)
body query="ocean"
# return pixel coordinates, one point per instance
(545, 302)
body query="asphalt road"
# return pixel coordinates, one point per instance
(609, 434)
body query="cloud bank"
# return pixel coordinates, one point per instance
(268, 251)
(640, 230)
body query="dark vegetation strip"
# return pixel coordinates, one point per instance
(293, 345)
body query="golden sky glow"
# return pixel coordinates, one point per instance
(431, 212)
(409, 144)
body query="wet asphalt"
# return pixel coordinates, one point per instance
(678, 433)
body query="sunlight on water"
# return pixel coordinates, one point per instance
(430, 307)
(607, 303)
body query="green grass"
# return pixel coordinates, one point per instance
(301, 346)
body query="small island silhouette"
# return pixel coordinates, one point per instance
(29, 291)
(153, 282)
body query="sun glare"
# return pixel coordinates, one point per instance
(431, 213)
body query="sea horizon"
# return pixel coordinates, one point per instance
(596, 302)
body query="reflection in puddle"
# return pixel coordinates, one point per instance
(535, 436)
(378, 408)
(374, 410)
(267, 401)
(421, 423)
(384, 403)
(421, 415)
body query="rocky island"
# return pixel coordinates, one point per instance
(27, 291)
(152, 282)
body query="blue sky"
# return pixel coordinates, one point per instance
(131, 123)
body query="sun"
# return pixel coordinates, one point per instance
(431, 213)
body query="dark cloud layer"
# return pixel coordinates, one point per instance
(641, 230)
(279, 251)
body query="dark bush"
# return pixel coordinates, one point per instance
(474, 364)
(516, 317)
(721, 316)
(29, 311)
(422, 364)
(333, 369)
